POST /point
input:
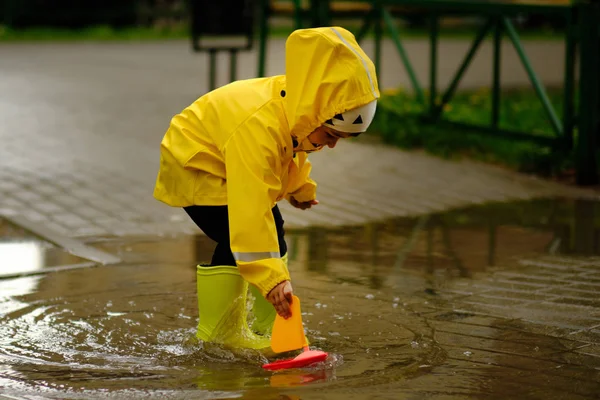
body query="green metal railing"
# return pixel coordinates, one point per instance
(577, 127)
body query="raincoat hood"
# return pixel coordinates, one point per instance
(327, 73)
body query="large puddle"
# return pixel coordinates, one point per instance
(370, 295)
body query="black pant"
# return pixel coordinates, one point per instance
(214, 222)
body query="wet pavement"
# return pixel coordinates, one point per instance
(97, 297)
(494, 301)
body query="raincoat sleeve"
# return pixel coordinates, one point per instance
(252, 189)
(305, 188)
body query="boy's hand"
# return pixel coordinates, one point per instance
(303, 205)
(281, 298)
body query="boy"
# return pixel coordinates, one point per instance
(228, 158)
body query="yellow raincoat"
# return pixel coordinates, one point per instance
(233, 146)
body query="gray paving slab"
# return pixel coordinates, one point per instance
(81, 125)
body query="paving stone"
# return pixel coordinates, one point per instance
(549, 265)
(47, 190)
(48, 208)
(58, 228)
(517, 295)
(586, 347)
(570, 291)
(89, 231)
(586, 287)
(69, 219)
(500, 302)
(8, 201)
(89, 213)
(67, 199)
(582, 302)
(28, 197)
(34, 216)
(544, 279)
(8, 186)
(495, 284)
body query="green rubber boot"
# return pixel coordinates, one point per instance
(264, 312)
(222, 309)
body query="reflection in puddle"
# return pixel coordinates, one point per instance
(21, 253)
(20, 257)
(369, 296)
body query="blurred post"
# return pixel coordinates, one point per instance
(225, 25)
(589, 93)
(584, 235)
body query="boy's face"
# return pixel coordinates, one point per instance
(326, 136)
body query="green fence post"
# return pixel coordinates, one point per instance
(233, 65)
(496, 73)
(433, 48)
(212, 71)
(323, 12)
(263, 32)
(492, 243)
(569, 89)
(10, 10)
(589, 94)
(297, 14)
(378, 37)
(403, 55)
(537, 85)
(463, 67)
(366, 24)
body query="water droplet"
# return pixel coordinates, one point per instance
(395, 305)
(114, 314)
(318, 305)
(396, 299)
(467, 353)
(414, 344)
(370, 296)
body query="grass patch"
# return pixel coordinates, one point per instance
(95, 33)
(181, 31)
(399, 122)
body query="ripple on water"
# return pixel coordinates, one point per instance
(118, 329)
